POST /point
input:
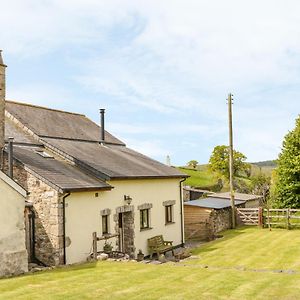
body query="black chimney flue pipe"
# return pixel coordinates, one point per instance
(102, 112)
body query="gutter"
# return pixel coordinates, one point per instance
(64, 225)
(181, 211)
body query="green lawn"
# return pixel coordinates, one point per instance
(244, 264)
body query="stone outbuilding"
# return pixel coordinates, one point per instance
(13, 253)
(205, 218)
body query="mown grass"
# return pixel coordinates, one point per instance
(253, 248)
(248, 247)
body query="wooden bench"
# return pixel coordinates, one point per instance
(159, 246)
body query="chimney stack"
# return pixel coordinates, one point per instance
(2, 107)
(102, 136)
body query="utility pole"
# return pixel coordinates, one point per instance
(231, 161)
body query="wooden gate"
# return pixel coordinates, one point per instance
(250, 216)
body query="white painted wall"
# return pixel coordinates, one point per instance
(83, 214)
(13, 254)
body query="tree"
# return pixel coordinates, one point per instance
(193, 164)
(287, 185)
(261, 184)
(219, 161)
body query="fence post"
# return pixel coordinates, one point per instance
(268, 214)
(260, 217)
(95, 245)
(288, 219)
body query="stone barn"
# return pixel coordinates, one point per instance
(204, 218)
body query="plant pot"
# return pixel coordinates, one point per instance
(140, 257)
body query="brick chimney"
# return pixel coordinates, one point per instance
(2, 105)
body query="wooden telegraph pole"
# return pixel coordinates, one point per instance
(231, 161)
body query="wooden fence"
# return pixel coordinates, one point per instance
(282, 218)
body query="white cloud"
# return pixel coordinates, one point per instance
(176, 58)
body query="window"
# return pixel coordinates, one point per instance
(105, 224)
(169, 213)
(144, 221)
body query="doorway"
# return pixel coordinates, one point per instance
(126, 233)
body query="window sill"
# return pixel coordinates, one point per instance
(169, 223)
(145, 229)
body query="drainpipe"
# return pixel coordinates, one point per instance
(10, 157)
(64, 225)
(181, 211)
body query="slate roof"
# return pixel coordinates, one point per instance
(215, 203)
(12, 130)
(76, 137)
(47, 122)
(61, 174)
(237, 196)
(115, 162)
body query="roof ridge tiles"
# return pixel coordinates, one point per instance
(44, 107)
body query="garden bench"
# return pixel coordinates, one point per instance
(159, 246)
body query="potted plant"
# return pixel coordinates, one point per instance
(107, 248)
(140, 255)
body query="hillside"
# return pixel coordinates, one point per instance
(201, 178)
(204, 179)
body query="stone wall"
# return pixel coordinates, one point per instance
(220, 219)
(48, 210)
(48, 221)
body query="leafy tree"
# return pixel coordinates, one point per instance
(287, 186)
(261, 184)
(219, 161)
(193, 164)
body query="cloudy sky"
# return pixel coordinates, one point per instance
(162, 69)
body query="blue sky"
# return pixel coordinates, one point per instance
(162, 69)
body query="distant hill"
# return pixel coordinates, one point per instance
(266, 163)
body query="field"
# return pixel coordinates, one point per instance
(201, 177)
(247, 263)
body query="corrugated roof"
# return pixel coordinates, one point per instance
(116, 162)
(238, 196)
(55, 123)
(215, 203)
(61, 174)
